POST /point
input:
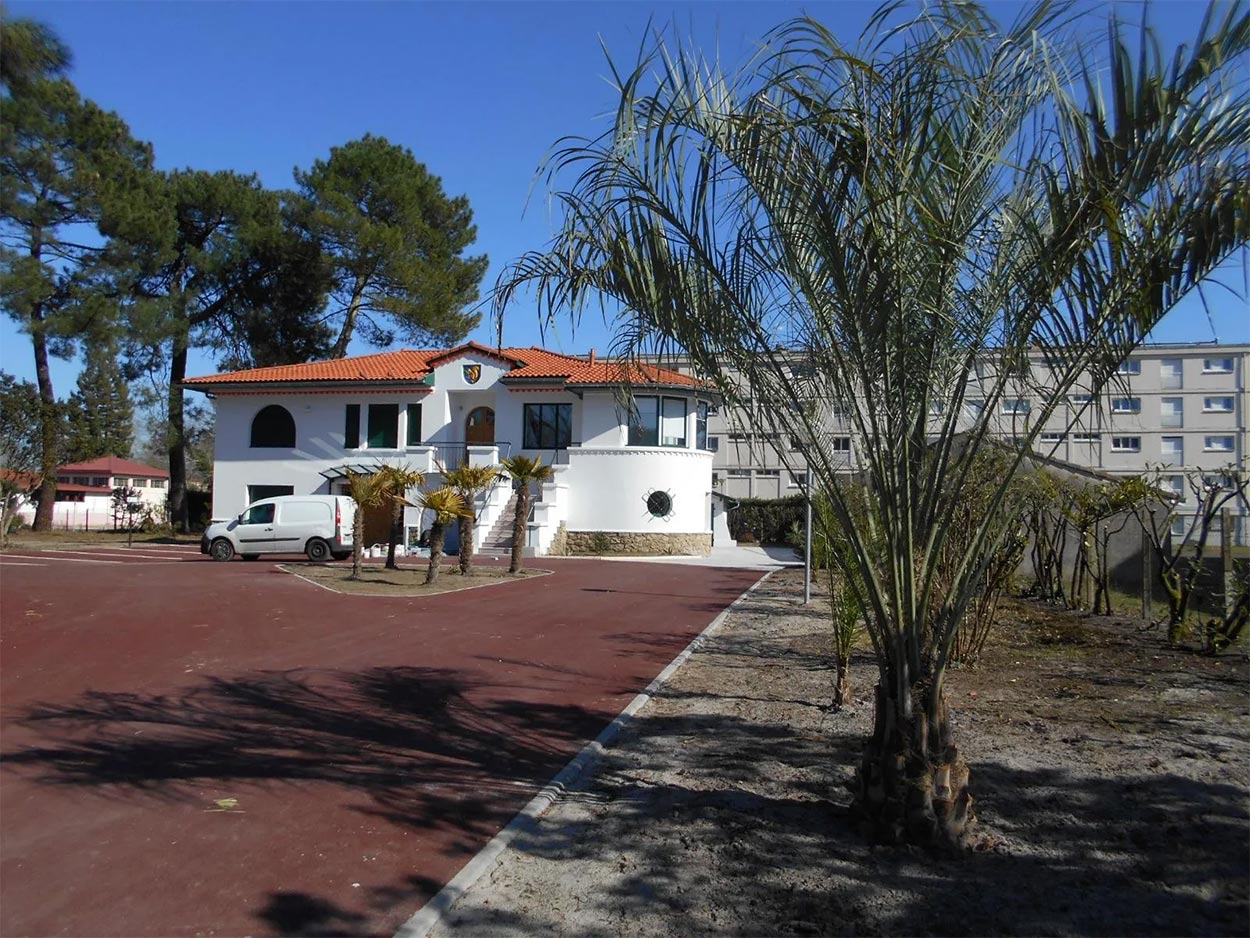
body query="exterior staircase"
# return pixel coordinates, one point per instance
(498, 540)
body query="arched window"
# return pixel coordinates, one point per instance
(273, 426)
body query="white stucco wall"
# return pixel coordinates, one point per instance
(608, 489)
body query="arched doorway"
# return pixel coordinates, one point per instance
(479, 427)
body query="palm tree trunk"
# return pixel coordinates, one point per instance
(466, 541)
(912, 785)
(358, 536)
(519, 524)
(436, 552)
(397, 522)
(841, 683)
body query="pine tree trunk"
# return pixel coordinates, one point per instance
(912, 787)
(466, 541)
(436, 552)
(339, 350)
(178, 516)
(519, 524)
(49, 426)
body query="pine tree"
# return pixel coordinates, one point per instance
(100, 414)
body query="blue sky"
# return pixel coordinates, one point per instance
(478, 91)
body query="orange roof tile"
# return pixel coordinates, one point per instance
(114, 465)
(416, 365)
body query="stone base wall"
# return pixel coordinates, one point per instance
(560, 543)
(641, 543)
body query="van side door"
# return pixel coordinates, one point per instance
(299, 522)
(255, 530)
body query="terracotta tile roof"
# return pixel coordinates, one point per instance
(26, 480)
(114, 466)
(415, 365)
(85, 489)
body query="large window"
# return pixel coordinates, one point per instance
(658, 421)
(273, 426)
(383, 426)
(548, 426)
(1126, 405)
(700, 426)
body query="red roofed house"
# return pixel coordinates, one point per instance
(628, 477)
(84, 491)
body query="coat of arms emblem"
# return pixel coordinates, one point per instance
(472, 373)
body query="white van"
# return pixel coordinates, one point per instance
(317, 525)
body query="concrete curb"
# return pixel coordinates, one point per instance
(433, 911)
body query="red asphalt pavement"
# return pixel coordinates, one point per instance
(373, 745)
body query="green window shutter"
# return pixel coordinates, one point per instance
(383, 426)
(351, 432)
(414, 424)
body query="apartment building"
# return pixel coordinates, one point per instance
(1177, 407)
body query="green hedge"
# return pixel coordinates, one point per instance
(767, 520)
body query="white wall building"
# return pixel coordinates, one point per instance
(627, 478)
(84, 493)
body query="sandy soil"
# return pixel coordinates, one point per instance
(1111, 771)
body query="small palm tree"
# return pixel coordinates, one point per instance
(398, 480)
(368, 490)
(525, 472)
(469, 481)
(447, 505)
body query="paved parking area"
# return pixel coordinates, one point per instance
(191, 748)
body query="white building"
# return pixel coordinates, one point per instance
(84, 493)
(627, 477)
(1175, 410)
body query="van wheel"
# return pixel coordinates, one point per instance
(342, 554)
(318, 551)
(221, 550)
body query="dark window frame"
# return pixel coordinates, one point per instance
(273, 427)
(413, 438)
(351, 427)
(650, 435)
(382, 428)
(552, 428)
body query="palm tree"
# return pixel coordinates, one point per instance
(368, 490)
(880, 231)
(398, 480)
(469, 481)
(447, 506)
(525, 472)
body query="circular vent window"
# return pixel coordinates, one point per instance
(660, 504)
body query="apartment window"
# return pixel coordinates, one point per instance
(1180, 525)
(673, 422)
(797, 480)
(1015, 405)
(700, 425)
(712, 444)
(1126, 405)
(413, 433)
(842, 445)
(1054, 364)
(1174, 484)
(715, 479)
(1172, 448)
(1130, 366)
(103, 481)
(1080, 400)
(974, 407)
(1171, 373)
(383, 426)
(1086, 437)
(1217, 405)
(738, 436)
(158, 483)
(1052, 438)
(1172, 412)
(738, 473)
(141, 483)
(548, 426)
(1126, 444)
(121, 482)
(937, 408)
(80, 480)
(1217, 444)
(1217, 366)
(351, 427)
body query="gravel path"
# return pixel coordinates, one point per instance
(1111, 771)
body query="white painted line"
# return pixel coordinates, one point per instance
(52, 555)
(108, 552)
(433, 911)
(18, 563)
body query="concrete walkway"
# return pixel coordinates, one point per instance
(738, 556)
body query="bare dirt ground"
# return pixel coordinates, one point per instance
(1111, 771)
